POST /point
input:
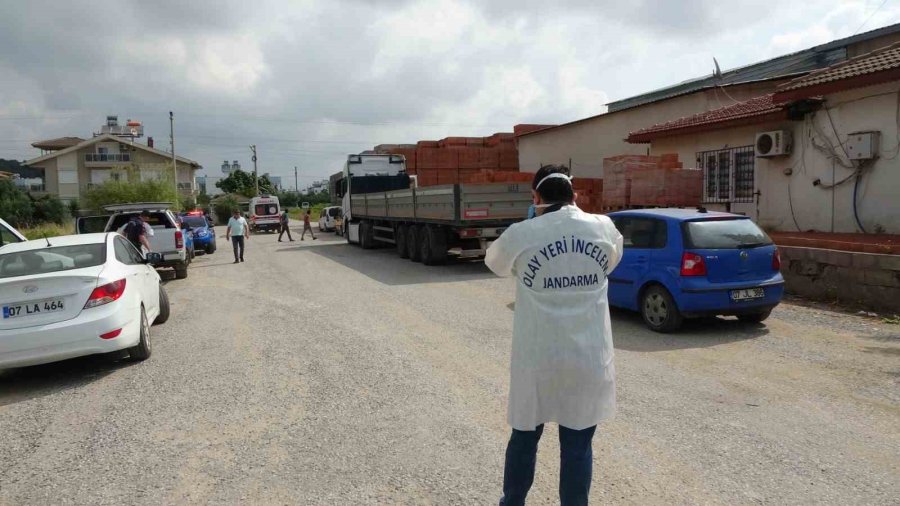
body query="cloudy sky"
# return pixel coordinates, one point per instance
(309, 81)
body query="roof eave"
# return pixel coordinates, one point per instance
(647, 137)
(845, 84)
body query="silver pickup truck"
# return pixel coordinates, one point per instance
(167, 237)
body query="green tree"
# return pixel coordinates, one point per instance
(122, 192)
(289, 199)
(242, 183)
(49, 209)
(15, 206)
(223, 207)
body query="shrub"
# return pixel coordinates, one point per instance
(123, 192)
(48, 230)
(15, 206)
(74, 207)
(49, 209)
(223, 208)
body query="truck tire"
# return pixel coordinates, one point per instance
(400, 237)
(434, 245)
(413, 239)
(181, 271)
(366, 238)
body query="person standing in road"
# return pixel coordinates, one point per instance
(285, 226)
(238, 230)
(561, 367)
(307, 226)
(137, 231)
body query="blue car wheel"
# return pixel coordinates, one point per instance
(659, 310)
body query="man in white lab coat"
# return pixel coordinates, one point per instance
(562, 352)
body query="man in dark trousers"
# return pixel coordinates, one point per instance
(237, 231)
(562, 351)
(285, 226)
(307, 227)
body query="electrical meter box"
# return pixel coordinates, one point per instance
(863, 145)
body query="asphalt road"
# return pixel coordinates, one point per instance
(319, 373)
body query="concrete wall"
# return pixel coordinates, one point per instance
(814, 207)
(588, 142)
(857, 279)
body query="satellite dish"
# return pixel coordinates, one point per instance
(718, 72)
(134, 131)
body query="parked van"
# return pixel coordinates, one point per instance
(328, 218)
(265, 213)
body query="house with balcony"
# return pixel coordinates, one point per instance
(70, 166)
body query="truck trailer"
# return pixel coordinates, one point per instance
(383, 205)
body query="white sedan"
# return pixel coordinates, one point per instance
(76, 295)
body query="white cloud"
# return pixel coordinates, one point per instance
(309, 81)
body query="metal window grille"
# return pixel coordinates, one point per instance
(728, 175)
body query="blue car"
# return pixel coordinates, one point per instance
(690, 263)
(202, 230)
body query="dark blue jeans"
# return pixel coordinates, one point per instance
(576, 465)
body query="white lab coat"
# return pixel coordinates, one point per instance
(562, 352)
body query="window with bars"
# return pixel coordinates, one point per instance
(728, 174)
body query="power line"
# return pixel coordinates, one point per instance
(870, 17)
(273, 119)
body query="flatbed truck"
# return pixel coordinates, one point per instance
(383, 206)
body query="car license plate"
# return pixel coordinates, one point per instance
(32, 308)
(748, 294)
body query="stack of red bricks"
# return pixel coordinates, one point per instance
(492, 159)
(649, 181)
(589, 194)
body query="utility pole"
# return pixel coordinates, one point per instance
(255, 177)
(296, 184)
(174, 163)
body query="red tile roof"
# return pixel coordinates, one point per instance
(755, 110)
(879, 66)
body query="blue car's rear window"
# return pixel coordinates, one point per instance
(724, 234)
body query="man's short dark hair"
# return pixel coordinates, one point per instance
(555, 190)
(145, 213)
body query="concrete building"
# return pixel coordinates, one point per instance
(830, 195)
(69, 171)
(824, 182)
(207, 185)
(584, 143)
(228, 168)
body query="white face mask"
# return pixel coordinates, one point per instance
(555, 175)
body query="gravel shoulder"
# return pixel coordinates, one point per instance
(264, 388)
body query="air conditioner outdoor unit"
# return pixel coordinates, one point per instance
(774, 143)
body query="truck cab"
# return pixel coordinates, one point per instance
(265, 213)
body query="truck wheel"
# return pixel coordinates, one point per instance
(434, 245)
(181, 271)
(401, 236)
(413, 237)
(365, 235)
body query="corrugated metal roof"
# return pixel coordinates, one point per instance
(880, 60)
(814, 58)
